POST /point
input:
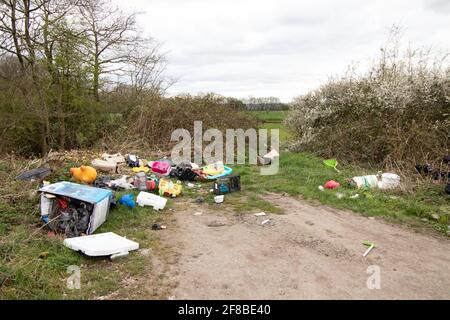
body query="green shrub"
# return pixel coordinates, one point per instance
(397, 113)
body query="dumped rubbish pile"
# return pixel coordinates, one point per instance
(76, 209)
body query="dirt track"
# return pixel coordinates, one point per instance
(311, 252)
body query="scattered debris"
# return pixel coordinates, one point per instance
(105, 166)
(383, 181)
(436, 217)
(332, 163)
(198, 214)
(340, 196)
(74, 209)
(141, 169)
(371, 247)
(356, 196)
(227, 185)
(122, 183)
(162, 168)
(265, 222)
(199, 200)
(170, 189)
(117, 158)
(133, 161)
(101, 245)
(128, 201)
(35, 174)
(141, 181)
(261, 214)
(268, 158)
(158, 227)
(84, 174)
(321, 188)
(219, 199)
(331, 185)
(149, 199)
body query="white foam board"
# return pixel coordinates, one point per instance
(101, 245)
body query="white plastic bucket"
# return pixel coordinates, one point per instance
(152, 200)
(219, 199)
(389, 181)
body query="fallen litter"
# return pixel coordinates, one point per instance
(170, 189)
(331, 185)
(340, 196)
(265, 222)
(141, 169)
(198, 214)
(162, 168)
(219, 199)
(128, 201)
(216, 170)
(384, 181)
(117, 158)
(331, 163)
(227, 185)
(74, 209)
(268, 158)
(84, 174)
(101, 245)
(356, 196)
(157, 227)
(321, 188)
(261, 214)
(371, 247)
(152, 200)
(122, 183)
(133, 161)
(105, 166)
(35, 174)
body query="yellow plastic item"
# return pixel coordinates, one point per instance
(141, 169)
(84, 174)
(214, 169)
(169, 189)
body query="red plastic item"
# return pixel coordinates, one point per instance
(63, 204)
(332, 185)
(151, 185)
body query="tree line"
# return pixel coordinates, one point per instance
(63, 65)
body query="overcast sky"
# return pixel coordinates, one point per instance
(280, 48)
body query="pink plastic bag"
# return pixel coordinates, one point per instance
(332, 185)
(163, 168)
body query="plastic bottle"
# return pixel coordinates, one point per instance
(141, 181)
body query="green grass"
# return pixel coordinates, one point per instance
(27, 273)
(274, 120)
(301, 174)
(34, 266)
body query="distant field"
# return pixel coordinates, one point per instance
(270, 116)
(274, 120)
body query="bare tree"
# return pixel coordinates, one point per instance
(111, 35)
(20, 30)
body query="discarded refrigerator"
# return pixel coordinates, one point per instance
(74, 209)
